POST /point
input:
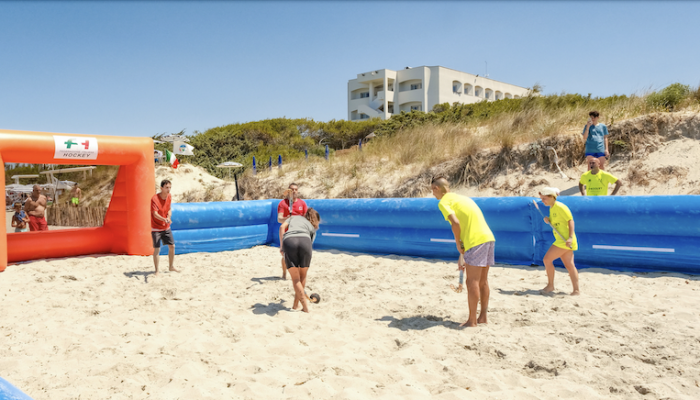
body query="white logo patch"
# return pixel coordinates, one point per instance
(75, 148)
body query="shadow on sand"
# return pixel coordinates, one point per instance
(419, 322)
(270, 309)
(267, 278)
(525, 292)
(137, 274)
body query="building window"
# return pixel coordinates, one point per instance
(415, 108)
(364, 95)
(364, 116)
(416, 86)
(467, 89)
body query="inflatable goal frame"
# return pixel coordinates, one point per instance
(127, 226)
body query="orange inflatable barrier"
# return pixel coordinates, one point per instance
(127, 225)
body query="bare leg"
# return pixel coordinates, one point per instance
(602, 162)
(484, 293)
(284, 269)
(156, 251)
(473, 293)
(298, 290)
(568, 259)
(171, 258)
(302, 280)
(553, 253)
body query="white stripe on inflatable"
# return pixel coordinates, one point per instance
(352, 235)
(442, 240)
(627, 248)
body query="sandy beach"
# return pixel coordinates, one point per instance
(103, 327)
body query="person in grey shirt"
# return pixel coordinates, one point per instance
(297, 234)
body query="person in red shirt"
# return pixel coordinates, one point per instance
(161, 214)
(298, 207)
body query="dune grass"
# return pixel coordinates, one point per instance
(461, 133)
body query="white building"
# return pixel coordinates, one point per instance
(384, 92)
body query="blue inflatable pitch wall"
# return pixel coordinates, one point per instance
(212, 227)
(625, 232)
(9, 392)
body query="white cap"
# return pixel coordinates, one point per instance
(550, 191)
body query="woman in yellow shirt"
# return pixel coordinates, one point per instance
(562, 222)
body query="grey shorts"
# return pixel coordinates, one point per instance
(165, 236)
(481, 255)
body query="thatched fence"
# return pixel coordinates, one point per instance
(65, 215)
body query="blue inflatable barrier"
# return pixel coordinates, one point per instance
(221, 226)
(220, 214)
(624, 232)
(416, 227)
(9, 392)
(659, 233)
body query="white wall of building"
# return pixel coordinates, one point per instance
(385, 92)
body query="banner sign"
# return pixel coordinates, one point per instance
(75, 148)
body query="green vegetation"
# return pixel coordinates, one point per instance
(507, 122)
(270, 138)
(670, 96)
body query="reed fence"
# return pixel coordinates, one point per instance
(65, 215)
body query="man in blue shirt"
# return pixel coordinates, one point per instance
(596, 137)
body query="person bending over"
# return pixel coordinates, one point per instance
(562, 223)
(297, 234)
(290, 205)
(475, 243)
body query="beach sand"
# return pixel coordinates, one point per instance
(103, 327)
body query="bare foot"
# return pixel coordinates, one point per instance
(547, 289)
(482, 320)
(155, 275)
(457, 289)
(468, 324)
(575, 293)
(284, 277)
(173, 269)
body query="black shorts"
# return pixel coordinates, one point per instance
(297, 252)
(165, 236)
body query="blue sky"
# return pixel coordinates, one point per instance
(143, 68)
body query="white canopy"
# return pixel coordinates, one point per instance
(229, 164)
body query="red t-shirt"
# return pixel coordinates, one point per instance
(298, 208)
(162, 207)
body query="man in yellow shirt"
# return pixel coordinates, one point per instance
(475, 243)
(596, 181)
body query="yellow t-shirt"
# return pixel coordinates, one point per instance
(597, 184)
(473, 228)
(559, 217)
